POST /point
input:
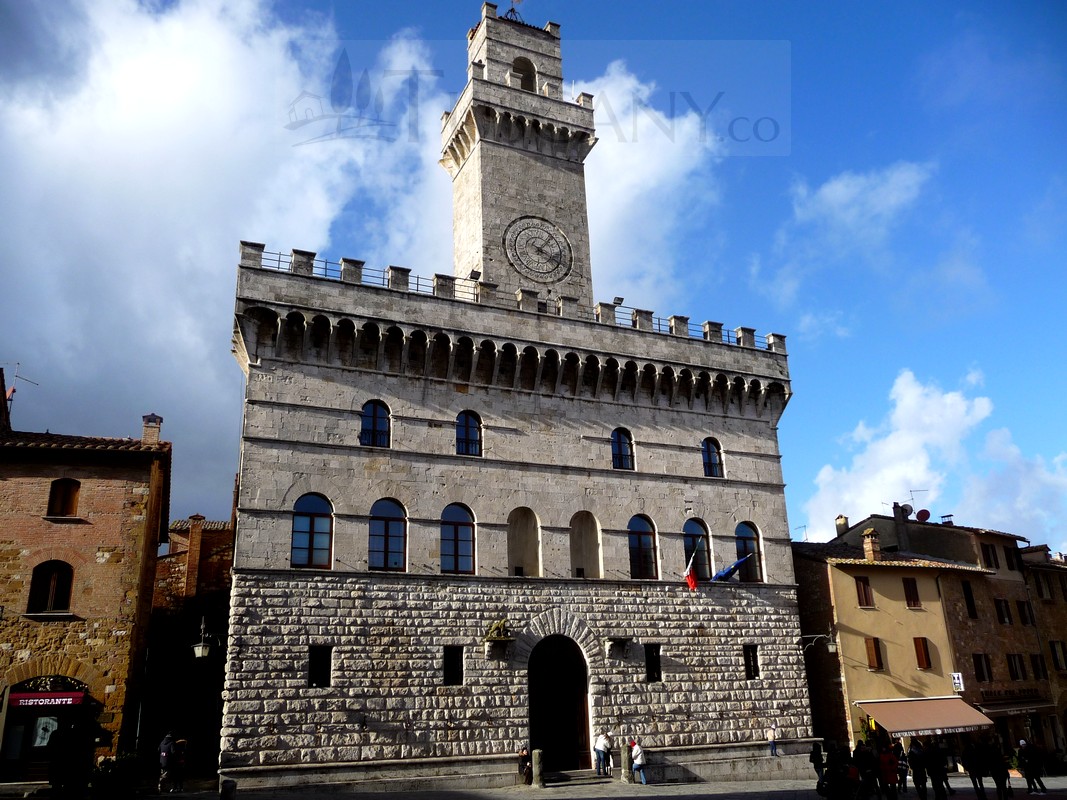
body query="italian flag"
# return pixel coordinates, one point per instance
(690, 574)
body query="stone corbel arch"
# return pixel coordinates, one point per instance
(552, 622)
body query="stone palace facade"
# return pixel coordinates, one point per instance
(466, 503)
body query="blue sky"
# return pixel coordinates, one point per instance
(906, 230)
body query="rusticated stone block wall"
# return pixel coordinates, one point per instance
(388, 699)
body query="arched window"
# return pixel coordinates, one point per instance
(374, 430)
(312, 532)
(387, 549)
(50, 587)
(457, 540)
(622, 449)
(747, 538)
(523, 70)
(468, 434)
(712, 458)
(642, 548)
(63, 498)
(695, 536)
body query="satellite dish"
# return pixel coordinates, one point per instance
(923, 515)
(907, 510)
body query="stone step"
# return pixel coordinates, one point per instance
(578, 777)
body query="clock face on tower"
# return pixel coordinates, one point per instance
(538, 250)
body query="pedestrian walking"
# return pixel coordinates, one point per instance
(973, 763)
(166, 756)
(772, 738)
(902, 766)
(1031, 766)
(817, 760)
(917, 762)
(887, 773)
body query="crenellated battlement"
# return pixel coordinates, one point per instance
(353, 272)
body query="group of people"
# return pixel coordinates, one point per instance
(172, 764)
(604, 764)
(882, 770)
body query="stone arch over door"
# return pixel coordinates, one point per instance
(558, 683)
(57, 665)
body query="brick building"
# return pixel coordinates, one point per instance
(82, 518)
(191, 604)
(876, 639)
(466, 503)
(1046, 579)
(992, 639)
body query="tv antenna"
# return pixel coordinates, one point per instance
(803, 531)
(913, 491)
(14, 384)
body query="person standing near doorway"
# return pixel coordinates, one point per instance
(772, 738)
(602, 750)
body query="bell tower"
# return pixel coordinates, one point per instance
(516, 152)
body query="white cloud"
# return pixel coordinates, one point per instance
(855, 211)
(1019, 494)
(129, 181)
(136, 161)
(649, 177)
(815, 326)
(916, 447)
(845, 223)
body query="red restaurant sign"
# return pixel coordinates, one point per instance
(46, 698)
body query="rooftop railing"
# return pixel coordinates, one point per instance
(301, 262)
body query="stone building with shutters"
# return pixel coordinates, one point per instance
(81, 518)
(467, 502)
(970, 605)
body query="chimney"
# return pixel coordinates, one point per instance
(192, 557)
(872, 551)
(150, 428)
(842, 524)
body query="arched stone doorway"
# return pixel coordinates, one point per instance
(559, 704)
(40, 712)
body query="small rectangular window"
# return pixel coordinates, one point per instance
(1003, 611)
(653, 670)
(1010, 558)
(1059, 655)
(1038, 666)
(922, 652)
(1043, 585)
(1016, 667)
(864, 594)
(320, 665)
(751, 653)
(989, 556)
(517, 571)
(874, 654)
(911, 593)
(452, 665)
(579, 572)
(1026, 612)
(968, 598)
(983, 673)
